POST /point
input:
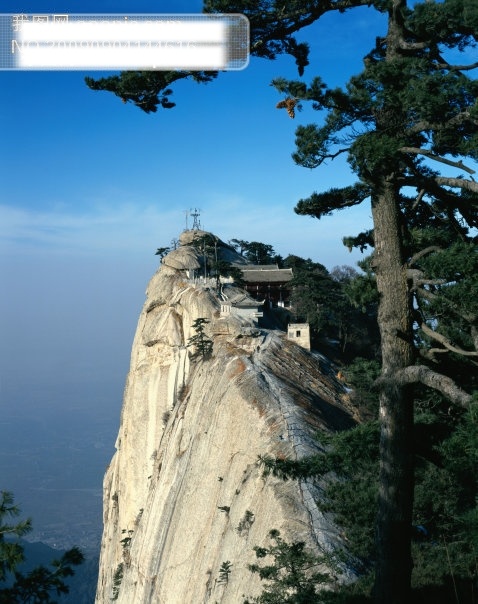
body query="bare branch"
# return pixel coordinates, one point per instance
(424, 252)
(454, 121)
(416, 276)
(442, 63)
(446, 65)
(427, 294)
(432, 351)
(443, 160)
(430, 185)
(422, 374)
(404, 45)
(429, 354)
(438, 337)
(334, 155)
(420, 196)
(461, 183)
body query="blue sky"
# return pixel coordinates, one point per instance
(84, 173)
(91, 187)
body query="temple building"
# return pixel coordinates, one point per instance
(268, 282)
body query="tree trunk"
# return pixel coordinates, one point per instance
(393, 526)
(396, 478)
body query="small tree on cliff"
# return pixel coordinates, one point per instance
(293, 574)
(202, 344)
(162, 251)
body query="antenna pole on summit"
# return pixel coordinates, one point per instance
(196, 224)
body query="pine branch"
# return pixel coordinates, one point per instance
(446, 65)
(422, 253)
(404, 45)
(273, 27)
(419, 198)
(434, 186)
(456, 120)
(427, 294)
(323, 204)
(424, 375)
(438, 337)
(461, 183)
(416, 275)
(431, 155)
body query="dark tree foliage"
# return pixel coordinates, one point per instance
(11, 552)
(207, 245)
(361, 291)
(257, 252)
(214, 264)
(162, 251)
(40, 584)
(239, 245)
(293, 575)
(339, 307)
(226, 269)
(314, 293)
(362, 373)
(148, 90)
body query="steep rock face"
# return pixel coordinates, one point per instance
(181, 488)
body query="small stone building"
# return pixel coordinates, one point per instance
(300, 334)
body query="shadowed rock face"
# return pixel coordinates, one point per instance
(185, 472)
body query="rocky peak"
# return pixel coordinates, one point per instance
(184, 492)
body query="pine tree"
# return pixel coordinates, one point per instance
(11, 552)
(294, 575)
(409, 104)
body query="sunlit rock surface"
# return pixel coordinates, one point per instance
(185, 476)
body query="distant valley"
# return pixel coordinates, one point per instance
(53, 460)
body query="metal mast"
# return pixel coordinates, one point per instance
(195, 214)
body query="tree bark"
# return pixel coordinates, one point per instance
(396, 476)
(393, 524)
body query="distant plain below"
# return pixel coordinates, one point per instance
(53, 459)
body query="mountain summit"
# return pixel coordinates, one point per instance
(184, 493)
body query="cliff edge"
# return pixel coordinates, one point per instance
(184, 492)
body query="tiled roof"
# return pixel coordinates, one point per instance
(238, 298)
(267, 275)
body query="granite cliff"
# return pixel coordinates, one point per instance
(184, 492)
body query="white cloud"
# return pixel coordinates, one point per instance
(136, 229)
(125, 227)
